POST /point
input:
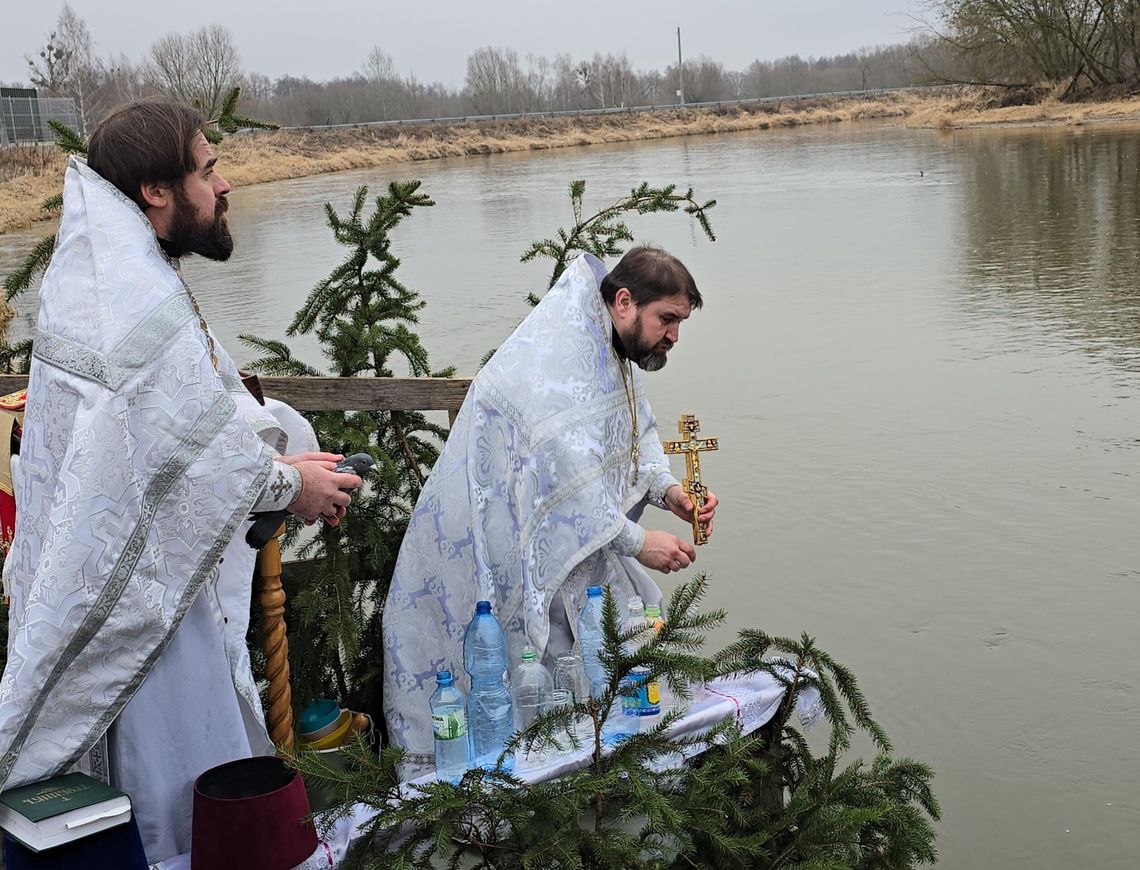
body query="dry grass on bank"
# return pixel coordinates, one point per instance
(29, 175)
(970, 110)
(293, 153)
(271, 156)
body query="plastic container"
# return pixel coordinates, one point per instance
(532, 689)
(591, 637)
(641, 697)
(449, 726)
(333, 738)
(318, 719)
(653, 617)
(489, 703)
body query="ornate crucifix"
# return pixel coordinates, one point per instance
(692, 447)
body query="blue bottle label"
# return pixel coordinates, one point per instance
(646, 701)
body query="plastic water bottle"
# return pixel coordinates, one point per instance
(592, 638)
(532, 689)
(696, 687)
(489, 704)
(644, 704)
(653, 617)
(449, 724)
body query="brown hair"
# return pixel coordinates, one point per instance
(650, 273)
(144, 142)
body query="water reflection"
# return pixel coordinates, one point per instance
(1051, 233)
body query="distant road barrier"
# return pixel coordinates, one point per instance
(618, 110)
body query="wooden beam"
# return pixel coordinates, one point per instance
(344, 394)
(368, 394)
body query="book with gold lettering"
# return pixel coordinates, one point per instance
(61, 809)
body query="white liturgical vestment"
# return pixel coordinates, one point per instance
(533, 499)
(140, 463)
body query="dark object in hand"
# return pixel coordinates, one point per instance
(265, 524)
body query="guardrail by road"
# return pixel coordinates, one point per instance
(618, 110)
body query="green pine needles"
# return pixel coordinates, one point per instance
(364, 319)
(604, 232)
(762, 800)
(18, 357)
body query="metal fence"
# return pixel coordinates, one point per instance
(624, 110)
(24, 115)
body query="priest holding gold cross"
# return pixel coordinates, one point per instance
(541, 484)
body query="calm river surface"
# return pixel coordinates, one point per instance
(921, 353)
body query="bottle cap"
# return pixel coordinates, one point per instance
(653, 611)
(636, 605)
(529, 654)
(444, 678)
(482, 607)
(594, 592)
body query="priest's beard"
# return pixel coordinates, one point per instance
(650, 358)
(192, 234)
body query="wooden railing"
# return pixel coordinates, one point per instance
(316, 394)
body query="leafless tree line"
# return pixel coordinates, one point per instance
(200, 65)
(1081, 45)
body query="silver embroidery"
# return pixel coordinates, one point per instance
(629, 540)
(129, 357)
(205, 568)
(660, 486)
(205, 429)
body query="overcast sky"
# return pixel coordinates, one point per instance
(323, 39)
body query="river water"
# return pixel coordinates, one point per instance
(921, 354)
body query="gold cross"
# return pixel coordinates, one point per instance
(692, 447)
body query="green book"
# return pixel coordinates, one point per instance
(55, 811)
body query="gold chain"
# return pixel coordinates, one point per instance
(201, 320)
(630, 396)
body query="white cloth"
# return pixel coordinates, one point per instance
(524, 505)
(139, 464)
(752, 700)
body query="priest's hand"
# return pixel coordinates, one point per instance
(678, 501)
(294, 458)
(665, 552)
(323, 491)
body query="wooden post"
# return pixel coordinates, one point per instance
(275, 643)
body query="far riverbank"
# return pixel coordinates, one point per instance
(29, 175)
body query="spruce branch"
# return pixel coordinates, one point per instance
(604, 233)
(34, 264)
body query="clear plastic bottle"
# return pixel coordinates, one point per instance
(653, 617)
(591, 637)
(696, 687)
(644, 704)
(532, 689)
(449, 724)
(489, 703)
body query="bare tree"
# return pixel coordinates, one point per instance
(65, 66)
(495, 82)
(705, 80)
(198, 67)
(1076, 43)
(380, 72)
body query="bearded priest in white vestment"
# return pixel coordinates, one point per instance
(141, 460)
(538, 491)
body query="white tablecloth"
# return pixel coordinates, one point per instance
(753, 700)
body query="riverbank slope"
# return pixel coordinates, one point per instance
(30, 174)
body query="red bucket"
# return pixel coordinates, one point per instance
(252, 813)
